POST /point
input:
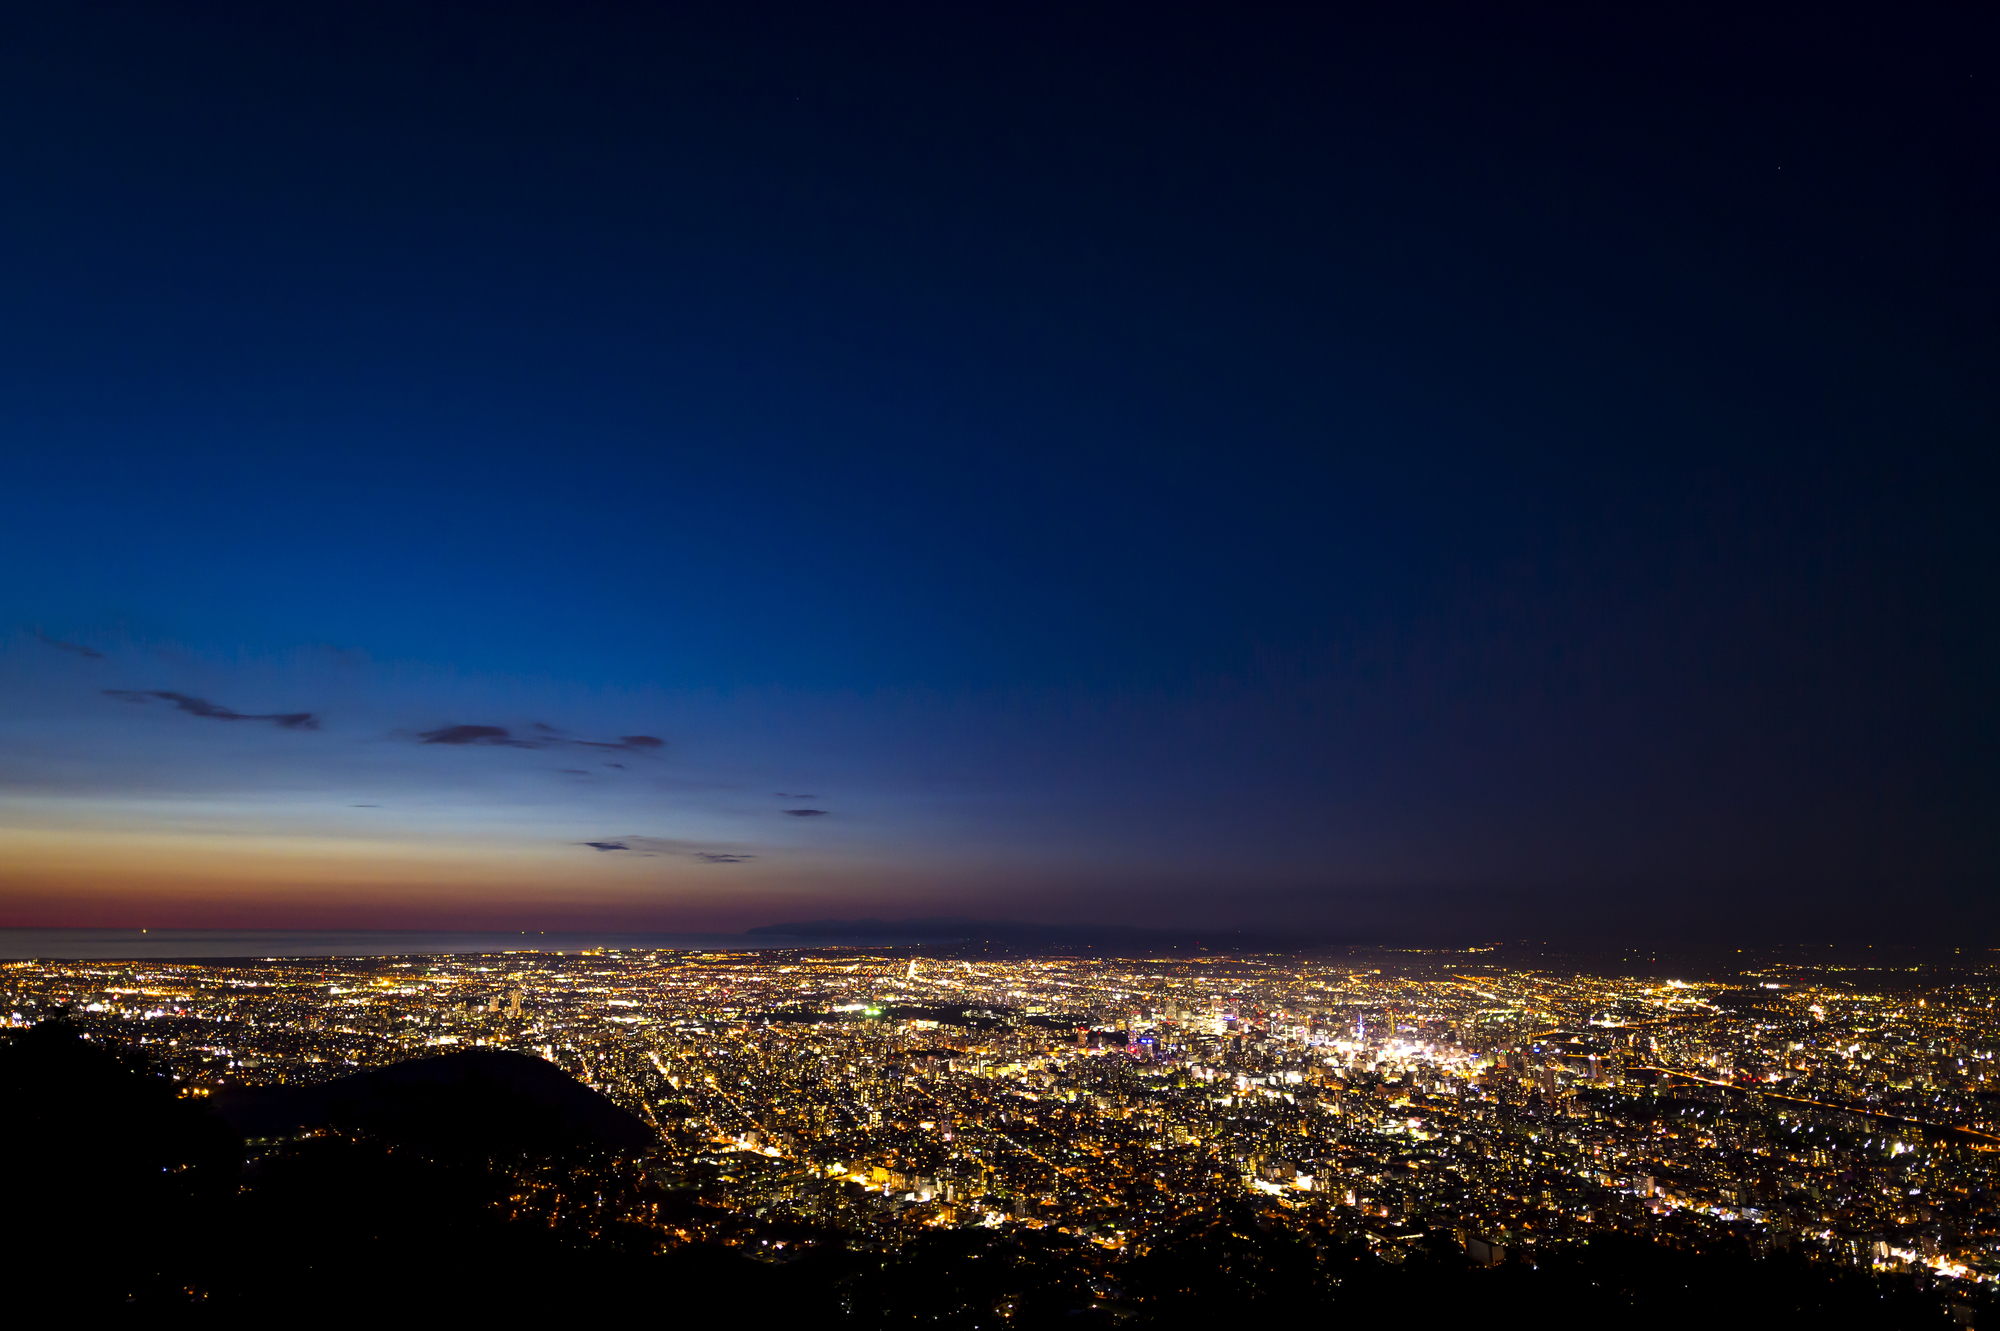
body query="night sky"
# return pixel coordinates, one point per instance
(1487, 472)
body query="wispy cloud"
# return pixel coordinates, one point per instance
(486, 736)
(648, 846)
(76, 647)
(546, 736)
(806, 813)
(216, 711)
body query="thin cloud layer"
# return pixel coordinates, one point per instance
(645, 847)
(76, 647)
(216, 711)
(482, 735)
(806, 813)
(547, 737)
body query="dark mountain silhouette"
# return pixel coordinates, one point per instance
(478, 1183)
(1017, 934)
(99, 1148)
(481, 1099)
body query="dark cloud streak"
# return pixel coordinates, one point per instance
(461, 736)
(76, 647)
(487, 736)
(647, 847)
(216, 711)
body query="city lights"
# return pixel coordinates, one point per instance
(796, 1094)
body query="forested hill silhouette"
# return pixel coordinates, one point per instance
(99, 1145)
(477, 1183)
(487, 1100)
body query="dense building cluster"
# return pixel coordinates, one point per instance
(1851, 1114)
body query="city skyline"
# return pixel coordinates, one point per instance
(815, 1098)
(982, 665)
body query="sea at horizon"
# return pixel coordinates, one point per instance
(167, 944)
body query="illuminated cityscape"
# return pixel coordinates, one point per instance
(970, 666)
(865, 1096)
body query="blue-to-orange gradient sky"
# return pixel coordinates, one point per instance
(1472, 475)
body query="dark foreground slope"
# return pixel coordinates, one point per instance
(484, 1186)
(114, 1184)
(476, 1184)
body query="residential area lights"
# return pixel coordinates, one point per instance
(1850, 1114)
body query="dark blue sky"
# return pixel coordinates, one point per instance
(1468, 473)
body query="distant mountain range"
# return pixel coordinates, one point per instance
(1013, 933)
